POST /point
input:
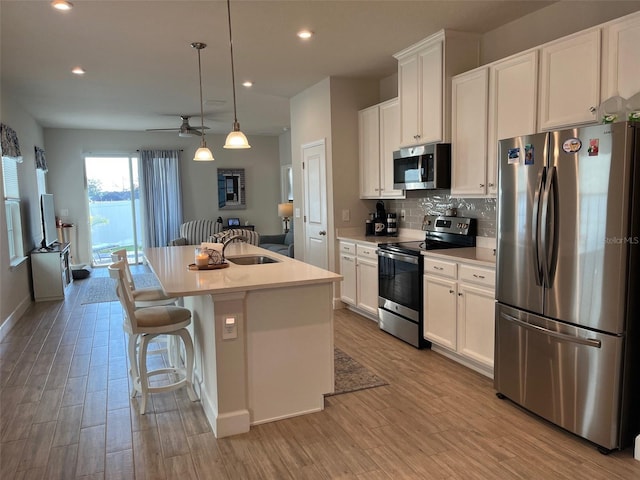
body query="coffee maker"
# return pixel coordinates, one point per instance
(380, 220)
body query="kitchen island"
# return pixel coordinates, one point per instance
(262, 334)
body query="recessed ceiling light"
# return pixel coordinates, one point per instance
(247, 84)
(78, 71)
(305, 34)
(61, 5)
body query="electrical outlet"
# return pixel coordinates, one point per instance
(297, 213)
(402, 214)
(229, 328)
(346, 215)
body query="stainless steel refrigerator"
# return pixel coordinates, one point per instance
(567, 312)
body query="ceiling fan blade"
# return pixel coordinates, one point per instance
(184, 130)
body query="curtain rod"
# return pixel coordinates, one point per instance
(180, 150)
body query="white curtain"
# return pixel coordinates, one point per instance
(162, 196)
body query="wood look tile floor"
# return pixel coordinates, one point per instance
(65, 413)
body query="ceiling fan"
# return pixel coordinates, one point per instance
(185, 130)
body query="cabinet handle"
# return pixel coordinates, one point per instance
(482, 185)
(322, 232)
(459, 294)
(478, 276)
(592, 109)
(438, 268)
(451, 291)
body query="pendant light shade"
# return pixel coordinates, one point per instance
(203, 154)
(235, 139)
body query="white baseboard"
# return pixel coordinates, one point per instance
(14, 317)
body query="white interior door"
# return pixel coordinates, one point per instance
(314, 173)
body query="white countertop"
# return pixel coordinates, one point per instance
(170, 264)
(476, 255)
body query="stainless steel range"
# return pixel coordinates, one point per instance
(400, 272)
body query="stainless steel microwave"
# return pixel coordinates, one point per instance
(422, 167)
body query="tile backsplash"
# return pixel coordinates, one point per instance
(425, 202)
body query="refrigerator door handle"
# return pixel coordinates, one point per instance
(535, 231)
(547, 227)
(590, 342)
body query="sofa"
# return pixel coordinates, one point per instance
(281, 243)
(195, 232)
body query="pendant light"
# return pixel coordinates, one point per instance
(235, 139)
(203, 154)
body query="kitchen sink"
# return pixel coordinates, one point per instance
(251, 260)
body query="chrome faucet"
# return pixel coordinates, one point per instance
(227, 241)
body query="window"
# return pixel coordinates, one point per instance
(12, 210)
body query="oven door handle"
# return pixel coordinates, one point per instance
(399, 257)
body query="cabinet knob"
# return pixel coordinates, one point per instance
(452, 291)
(459, 294)
(482, 185)
(491, 185)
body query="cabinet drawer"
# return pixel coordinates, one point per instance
(481, 276)
(440, 267)
(366, 251)
(349, 248)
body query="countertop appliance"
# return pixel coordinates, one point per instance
(422, 167)
(568, 258)
(380, 220)
(400, 272)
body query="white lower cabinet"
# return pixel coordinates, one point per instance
(348, 272)
(440, 316)
(476, 324)
(459, 311)
(359, 267)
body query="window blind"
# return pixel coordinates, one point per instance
(10, 178)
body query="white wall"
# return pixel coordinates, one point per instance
(550, 23)
(329, 110)
(66, 149)
(15, 295)
(310, 121)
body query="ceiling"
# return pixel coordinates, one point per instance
(142, 73)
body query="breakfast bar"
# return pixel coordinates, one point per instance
(262, 334)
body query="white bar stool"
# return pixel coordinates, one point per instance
(149, 297)
(144, 324)
(143, 297)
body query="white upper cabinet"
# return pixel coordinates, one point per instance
(379, 130)
(513, 95)
(469, 92)
(424, 84)
(389, 142)
(369, 128)
(621, 57)
(570, 80)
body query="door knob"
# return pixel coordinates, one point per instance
(322, 232)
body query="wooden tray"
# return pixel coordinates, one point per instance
(215, 266)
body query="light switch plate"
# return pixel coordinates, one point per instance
(346, 215)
